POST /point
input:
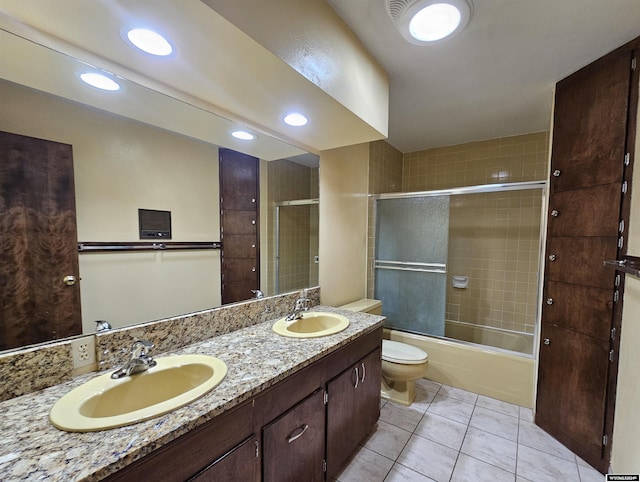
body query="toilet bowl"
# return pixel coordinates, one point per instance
(402, 364)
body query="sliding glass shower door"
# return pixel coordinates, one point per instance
(412, 237)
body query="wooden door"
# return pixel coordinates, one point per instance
(353, 409)
(293, 444)
(38, 245)
(577, 365)
(239, 225)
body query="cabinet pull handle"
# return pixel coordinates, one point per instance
(364, 373)
(355, 385)
(301, 429)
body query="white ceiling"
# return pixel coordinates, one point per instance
(496, 78)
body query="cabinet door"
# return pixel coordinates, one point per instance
(293, 444)
(238, 465)
(353, 408)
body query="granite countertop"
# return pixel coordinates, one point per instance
(256, 358)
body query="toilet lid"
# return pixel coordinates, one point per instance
(396, 352)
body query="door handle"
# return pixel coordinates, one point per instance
(547, 341)
(549, 301)
(556, 173)
(302, 429)
(555, 213)
(69, 280)
(552, 257)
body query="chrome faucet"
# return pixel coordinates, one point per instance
(300, 307)
(139, 362)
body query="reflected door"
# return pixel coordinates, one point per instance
(39, 294)
(412, 236)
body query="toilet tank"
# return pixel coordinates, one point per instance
(365, 305)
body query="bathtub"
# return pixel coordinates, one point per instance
(485, 335)
(493, 373)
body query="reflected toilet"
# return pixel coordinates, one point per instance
(402, 364)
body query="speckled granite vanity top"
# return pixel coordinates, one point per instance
(256, 357)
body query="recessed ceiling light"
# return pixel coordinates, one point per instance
(243, 135)
(100, 81)
(149, 41)
(428, 21)
(295, 119)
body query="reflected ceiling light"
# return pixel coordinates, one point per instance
(243, 135)
(149, 41)
(100, 81)
(427, 21)
(295, 119)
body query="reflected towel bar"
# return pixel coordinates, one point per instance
(628, 264)
(102, 247)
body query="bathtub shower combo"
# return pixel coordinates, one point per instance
(462, 264)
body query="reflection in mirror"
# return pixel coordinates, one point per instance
(149, 151)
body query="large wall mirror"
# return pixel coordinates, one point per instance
(141, 149)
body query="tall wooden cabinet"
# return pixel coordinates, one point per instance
(593, 135)
(239, 225)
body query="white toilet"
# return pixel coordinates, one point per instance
(402, 364)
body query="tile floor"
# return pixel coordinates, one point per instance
(449, 434)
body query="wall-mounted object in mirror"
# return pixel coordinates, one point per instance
(124, 153)
(154, 224)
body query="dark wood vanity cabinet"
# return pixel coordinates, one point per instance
(293, 444)
(303, 428)
(353, 408)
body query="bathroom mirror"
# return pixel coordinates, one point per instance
(141, 149)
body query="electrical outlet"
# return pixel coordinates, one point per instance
(84, 352)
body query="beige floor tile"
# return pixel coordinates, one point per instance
(468, 469)
(387, 440)
(442, 430)
(365, 465)
(428, 458)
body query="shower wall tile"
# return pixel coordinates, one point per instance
(507, 159)
(291, 181)
(499, 244)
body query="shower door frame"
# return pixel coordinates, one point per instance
(487, 188)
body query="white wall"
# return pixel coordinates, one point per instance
(344, 184)
(121, 166)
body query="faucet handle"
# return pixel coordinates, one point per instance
(140, 348)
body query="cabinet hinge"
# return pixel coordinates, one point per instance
(621, 226)
(617, 280)
(620, 242)
(627, 159)
(633, 64)
(616, 296)
(257, 450)
(605, 440)
(611, 355)
(326, 397)
(613, 334)
(624, 187)
(324, 466)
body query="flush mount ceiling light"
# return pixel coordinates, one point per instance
(295, 119)
(243, 135)
(428, 21)
(99, 81)
(149, 41)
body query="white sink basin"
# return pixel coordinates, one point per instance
(311, 325)
(104, 403)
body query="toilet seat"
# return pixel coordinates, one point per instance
(397, 352)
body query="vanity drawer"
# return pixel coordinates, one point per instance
(189, 454)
